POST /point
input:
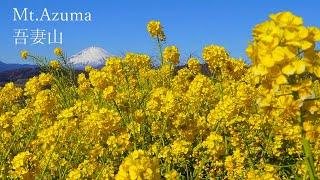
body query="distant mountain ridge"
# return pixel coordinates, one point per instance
(8, 67)
(20, 76)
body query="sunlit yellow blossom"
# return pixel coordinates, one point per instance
(83, 84)
(24, 54)
(75, 174)
(45, 79)
(171, 54)
(88, 68)
(194, 65)
(22, 164)
(131, 119)
(180, 148)
(173, 175)
(138, 166)
(286, 19)
(138, 61)
(54, 64)
(214, 144)
(155, 30)
(109, 93)
(58, 51)
(32, 86)
(45, 102)
(215, 56)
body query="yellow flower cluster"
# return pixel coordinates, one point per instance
(221, 65)
(58, 51)
(131, 120)
(22, 165)
(171, 54)
(54, 64)
(194, 65)
(215, 56)
(138, 165)
(156, 30)
(24, 54)
(283, 47)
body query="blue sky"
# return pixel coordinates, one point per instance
(119, 26)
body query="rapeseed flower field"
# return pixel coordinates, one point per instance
(130, 120)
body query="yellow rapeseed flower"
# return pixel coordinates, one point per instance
(171, 54)
(54, 64)
(215, 56)
(24, 54)
(194, 65)
(58, 51)
(129, 120)
(155, 30)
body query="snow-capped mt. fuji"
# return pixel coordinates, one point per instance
(92, 56)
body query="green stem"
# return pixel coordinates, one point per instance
(160, 49)
(309, 158)
(308, 154)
